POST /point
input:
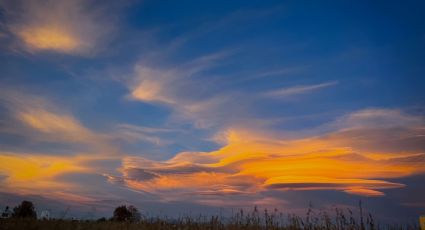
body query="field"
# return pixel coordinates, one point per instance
(248, 221)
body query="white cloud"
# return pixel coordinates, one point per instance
(379, 118)
(295, 90)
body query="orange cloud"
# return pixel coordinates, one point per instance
(45, 125)
(35, 167)
(36, 173)
(70, 27)
(49, 122)
(251, 163)
(82, 150)
(39, 174)
(49, 38)
(39, 120)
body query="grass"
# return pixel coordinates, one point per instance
(254, 220)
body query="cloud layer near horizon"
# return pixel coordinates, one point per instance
(361, 155)
(358, 158)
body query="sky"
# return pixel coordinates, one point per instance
(188, 107)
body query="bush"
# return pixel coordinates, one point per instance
(124, 213)
(25, 210)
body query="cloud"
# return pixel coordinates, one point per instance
(53, 123)
(71, 27)
(379, 118)
(250, 164)
(363, 153)
(133, 133)
(167, 85)
(37, 119)
(353, 186)
(295, 90)
(183, 88)
(72, 179)
(366, 128)
(32, 173)
(197, 94)
(73, 149)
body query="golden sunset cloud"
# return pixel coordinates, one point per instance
(70, 27)
(251, 163)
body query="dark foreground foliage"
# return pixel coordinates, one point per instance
(254, 220)
(124, 213)
(25, 210)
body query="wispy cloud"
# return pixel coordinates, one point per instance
(182, 87)
(301, 89)
(162, 84)
(195, 94)
(133, 133)
(38, 119)
(379, 118)
(71, 27)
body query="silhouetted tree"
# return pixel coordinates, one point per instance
(135, 214)
(124, 213)
(25, 210)
(121, 213)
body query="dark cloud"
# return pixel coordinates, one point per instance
(138, 174)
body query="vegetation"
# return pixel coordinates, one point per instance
(130, 219)
(25, 210)
(124, 213)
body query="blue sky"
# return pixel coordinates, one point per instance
(194, 106)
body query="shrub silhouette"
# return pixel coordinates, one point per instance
(121, 213)
(25, 210)
(124, 213)
(135, 214)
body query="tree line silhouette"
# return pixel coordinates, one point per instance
(27, 210)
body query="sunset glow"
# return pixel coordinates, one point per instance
(48, 39)
(191, 107)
